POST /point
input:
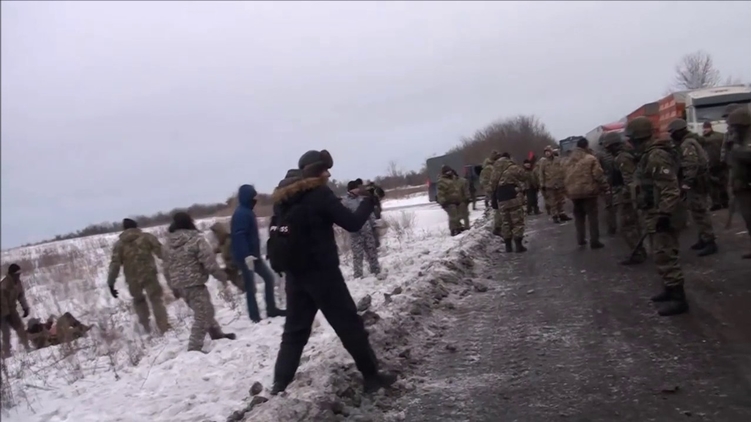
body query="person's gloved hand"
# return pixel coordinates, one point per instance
(113, 292)
(662, 224)
(250, 261)
(25, 312)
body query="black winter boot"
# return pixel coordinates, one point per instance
(380, 380)
(276, 312)
(596, 245)
(509, 247)
(710, 248)
(230, 336)
(698, 245)
(537, 211)
(676, 305)
(664, 296)
(564, 217)
(519, 246)
(556, 220)
(277, 388)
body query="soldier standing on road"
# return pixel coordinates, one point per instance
(363, 242)
(606, 162)
(11, 293)
(739, 157)
(188, 262)
(134, 250)
(585, 182)
(449, 196)
(224, 248)
(533, 186)
(463, 186)
(624, 167)
(660, 197)
(718, 171)
(508, 183)
(694, 183)
(729, 138)
(487, 171)
(551, 181)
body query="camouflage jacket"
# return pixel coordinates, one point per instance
(693, 160)
(584, 175)
(134, 250)
(713, 147)
(463, 186)
(448, 191)
(657, 178)
(11, 291)
(189, 260)
(533, 182)
(224, 244)
(551, 173)
(506, 172)
(625, 163)
(352, 202)
(606, 160)
(740, 170)
(487, 171)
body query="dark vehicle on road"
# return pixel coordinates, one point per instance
(455, 160)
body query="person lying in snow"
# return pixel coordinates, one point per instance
(66, 329)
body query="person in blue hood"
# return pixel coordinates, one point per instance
(246, 252)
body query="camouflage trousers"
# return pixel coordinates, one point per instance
(364, 247)
(199, 301)
(718, 184)
(511, 221)
(666, 257)
(14, 321)
(698, 207)
(554, 198)
(611, 214)
(454, 219)
(149, 288)
(463, 210)
(630, 225)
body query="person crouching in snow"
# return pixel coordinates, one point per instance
(246, 251)
(363, 242)
(188, 261)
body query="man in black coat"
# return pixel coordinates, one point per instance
(316, 282)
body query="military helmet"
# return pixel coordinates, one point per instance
(610, 138)
(729, 109)
(639, 128)
(739, 117)
(676, 125)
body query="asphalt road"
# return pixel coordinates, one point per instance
(566, 334)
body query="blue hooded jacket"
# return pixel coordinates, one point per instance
(244, 227)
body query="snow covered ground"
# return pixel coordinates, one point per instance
(119, 374)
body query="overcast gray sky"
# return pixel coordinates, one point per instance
(113, 109)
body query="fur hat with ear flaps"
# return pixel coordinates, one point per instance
(314, 163)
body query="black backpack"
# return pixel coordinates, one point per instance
(286, 247)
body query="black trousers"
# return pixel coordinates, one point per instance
(532, 204)
(306, 294)
(586, 209)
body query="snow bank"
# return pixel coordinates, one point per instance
(119, 374)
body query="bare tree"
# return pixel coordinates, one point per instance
(731, 80)
(696, 70)
(393, 170)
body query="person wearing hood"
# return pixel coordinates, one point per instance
(224, 248)
(134, 251)
(246, 252)
(314, 281)
(188, 262)
(585, 181)
(11, 294)
(449, 196)
(551, 182)
(363, 242)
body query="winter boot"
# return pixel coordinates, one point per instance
(556, 220)
(380, 380)
(276, 312)
(581, 243)
(229, 336)
(519, 246)
(596, 245)
(277, 388)
(676, 305)
(509, 248)
(454, 232)
(698, 245)
(664, 296)
(537, 211)
(710, 248)
(564, 217)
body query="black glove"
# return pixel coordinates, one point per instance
(25, 312)
(113, 292)
(663, 223)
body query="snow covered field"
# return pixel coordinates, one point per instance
(120, 374)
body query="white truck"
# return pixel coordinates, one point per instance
(708, 104)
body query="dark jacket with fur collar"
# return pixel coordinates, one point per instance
(321, 209)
